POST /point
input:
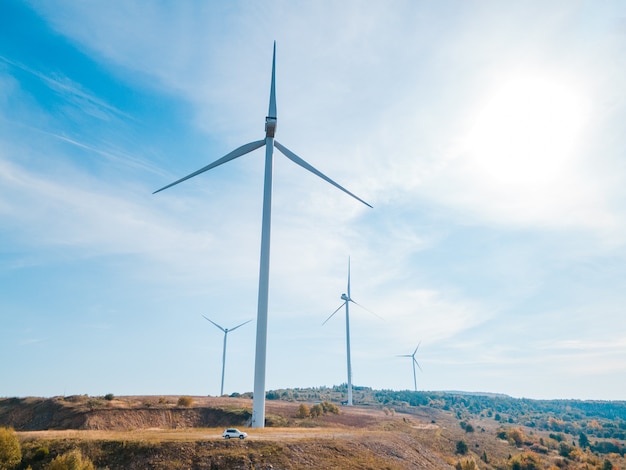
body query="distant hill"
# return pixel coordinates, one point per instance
(482, 394)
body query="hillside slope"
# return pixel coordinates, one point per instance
(393, 430)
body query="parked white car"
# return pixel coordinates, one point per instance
(232, 432)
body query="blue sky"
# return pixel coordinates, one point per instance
(488, 136)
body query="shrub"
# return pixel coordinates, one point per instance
(516, 436)
(316, 410)
(185, 401)
(466, 464)
(329, 407)
(303, 411)
(41, 453)
(461, 448)
(109, 396)
(526, 461)
(10, 449)
(73, 460)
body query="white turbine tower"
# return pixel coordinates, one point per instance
(226, 331)
(258, 404)
(346, 302)
(414, 362)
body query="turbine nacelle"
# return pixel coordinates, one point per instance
(270, 126)
(345, 297)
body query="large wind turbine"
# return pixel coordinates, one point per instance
(414, 362)
(226, 331)
(346, 302)
(258, 404)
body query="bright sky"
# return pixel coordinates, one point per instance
(488, 136)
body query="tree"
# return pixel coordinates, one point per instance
(73, 460)
(466, 464)
(461, 448)
(303, 411)
(10, 449)
(583, 440)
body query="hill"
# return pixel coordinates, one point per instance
(387, 429)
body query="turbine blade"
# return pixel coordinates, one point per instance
(348, 277)
(418, 364)
(418, 345)
(299, 161)
(232, 329)
(272, 109)
(366, 309)
(238, 152)
(206, 318)
(331, 315)
(404, 355)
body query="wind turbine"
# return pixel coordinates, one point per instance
(258, 404)
(414, 362)
(346, 302)
(226, 331)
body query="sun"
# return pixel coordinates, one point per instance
(526, 130)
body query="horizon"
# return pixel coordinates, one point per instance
(487, 136)
(236, 394)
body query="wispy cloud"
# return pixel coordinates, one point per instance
(72, 92)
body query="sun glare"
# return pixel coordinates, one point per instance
(526, 131)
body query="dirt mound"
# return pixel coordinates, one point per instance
(34, 414)
(83, 413)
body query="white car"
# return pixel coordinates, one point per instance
(232, 432)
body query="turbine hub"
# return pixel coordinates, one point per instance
(270, 126)
(344, 297)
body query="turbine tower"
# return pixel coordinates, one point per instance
(226, 331)
(258, 404)
(346, 302)
(414, 362)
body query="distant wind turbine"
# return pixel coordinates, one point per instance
(258, 404)
(226, 331)
(346, 301)
(414, 362)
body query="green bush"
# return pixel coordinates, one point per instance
(461, 448)
(41, 453)
(10, 449)
(109, 396)
(73, 460)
